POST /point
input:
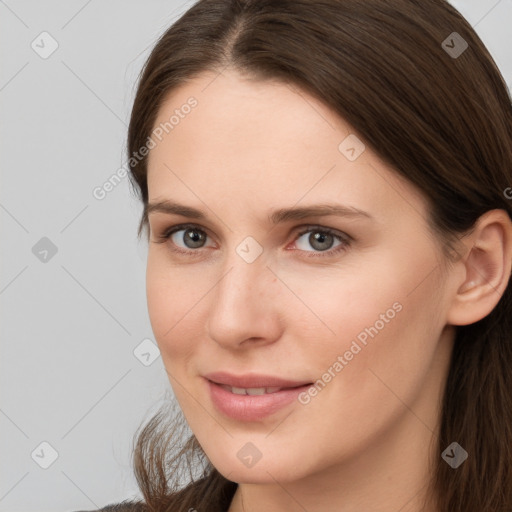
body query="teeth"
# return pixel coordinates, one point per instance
(255, 391)
(250, 391)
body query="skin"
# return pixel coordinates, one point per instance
(362, 443)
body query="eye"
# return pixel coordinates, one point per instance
(186, 238)
(322, 239)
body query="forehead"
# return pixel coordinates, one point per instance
(264, 115)
(258, 144)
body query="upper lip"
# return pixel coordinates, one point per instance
(253, 380)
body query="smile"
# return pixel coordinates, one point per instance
(252, 397)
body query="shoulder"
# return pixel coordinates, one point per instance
(125, 506)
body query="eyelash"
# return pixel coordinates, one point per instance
(342, 237)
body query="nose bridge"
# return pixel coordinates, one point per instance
(239, 309)
(245, 271)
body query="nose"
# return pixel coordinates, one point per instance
(244, 307)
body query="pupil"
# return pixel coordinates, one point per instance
(194, 237)
(321, 238)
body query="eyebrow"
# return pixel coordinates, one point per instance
(277, 216)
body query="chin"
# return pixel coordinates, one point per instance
(260, 475)
(268, 471)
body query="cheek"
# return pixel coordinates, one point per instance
(386, 318)
(170, 299)
(338, 304)
(387, 354)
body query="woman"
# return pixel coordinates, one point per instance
(327, 196)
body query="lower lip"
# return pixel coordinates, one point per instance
(251, 407)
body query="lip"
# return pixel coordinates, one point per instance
(252, 407)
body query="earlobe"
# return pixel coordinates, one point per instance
(487, 268)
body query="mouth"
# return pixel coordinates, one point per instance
(252, 397)
(251, 391)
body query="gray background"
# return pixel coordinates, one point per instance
(73, 371)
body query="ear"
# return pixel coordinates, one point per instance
(486, 269)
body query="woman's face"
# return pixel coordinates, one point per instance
(344, 310)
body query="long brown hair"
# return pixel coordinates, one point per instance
(441, 120)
